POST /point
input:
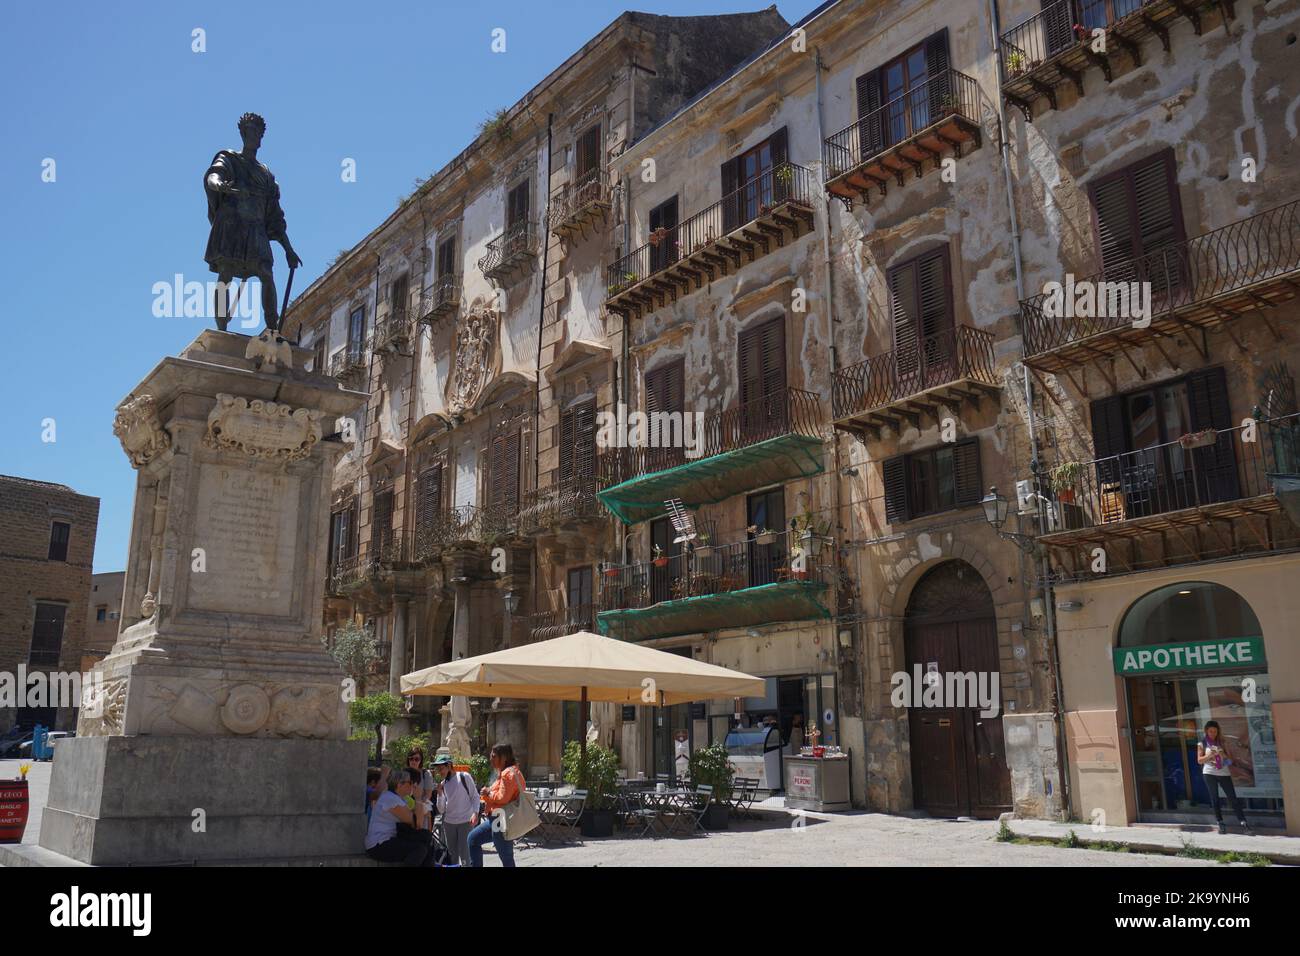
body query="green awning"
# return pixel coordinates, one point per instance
(783, 601)
(717, 477)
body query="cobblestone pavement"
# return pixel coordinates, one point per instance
(858, 839)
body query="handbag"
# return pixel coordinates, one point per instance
(520, 816)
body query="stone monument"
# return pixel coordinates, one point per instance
(216, 729)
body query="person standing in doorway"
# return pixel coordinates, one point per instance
(457, 802)
(1212, 754)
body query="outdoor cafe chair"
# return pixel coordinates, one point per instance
(567, 815)
(691, 808)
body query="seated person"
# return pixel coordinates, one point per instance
(392, 835)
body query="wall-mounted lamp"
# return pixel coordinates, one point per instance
(996, 509)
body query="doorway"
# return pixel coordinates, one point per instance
(959, 766)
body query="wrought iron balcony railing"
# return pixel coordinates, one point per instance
(790, 411)
(546, 625)
(941, 113)
(510, 252)
(545, 508)
(393, 332)
(959, 355)
(462, 525)
(440, 299)
(1057, 46)
(738, 228)
(348, 574)
(763, 558)
(1208, 470)
(349, 362)
(576, 205)
(1204, 281)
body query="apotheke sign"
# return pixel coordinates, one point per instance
(1191, 656)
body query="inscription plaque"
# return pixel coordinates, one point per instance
(247, 526)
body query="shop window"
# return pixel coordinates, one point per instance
(1194, 611)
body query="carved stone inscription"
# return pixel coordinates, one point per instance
(247, 527)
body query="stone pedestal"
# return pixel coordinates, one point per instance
(219, 696)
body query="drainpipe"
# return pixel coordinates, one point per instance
(833, 358)
(537, 383)
(1049, 600)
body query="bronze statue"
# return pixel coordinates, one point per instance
(245, 214)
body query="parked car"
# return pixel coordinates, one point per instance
(53, 737)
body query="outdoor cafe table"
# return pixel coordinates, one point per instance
(551, 811)
(666, 804)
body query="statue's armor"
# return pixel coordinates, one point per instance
(243, 225)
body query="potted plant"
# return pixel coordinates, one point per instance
(658, 236)
(785, 174)
(598, 775)
(1064, 477)
(1015, 63)
(702, 545)
(660, 559)
(764, 535)
(712, 767)
(1202, 439)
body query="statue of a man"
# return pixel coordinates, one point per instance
(245, 214)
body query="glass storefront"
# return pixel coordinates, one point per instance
(1190, 653)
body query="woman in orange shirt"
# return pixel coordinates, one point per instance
(505, 789)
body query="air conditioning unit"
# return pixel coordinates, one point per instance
(1026, 497)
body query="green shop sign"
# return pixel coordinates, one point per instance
(1189, 656)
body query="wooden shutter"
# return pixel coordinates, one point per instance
(1137, 212)
(732, 201)
(1058, 29)
(967, 480)
(1216, 466)
(505, 474)
(517, 205)
(381, 536)
(665, 388)
(588, 149)
(776, 190)
(664, 216)
(871, 129)
(1109, 437)
(896, 498)
(762, 360)
(428, 499)
(578, 444)
(936, 71)
(934, 292)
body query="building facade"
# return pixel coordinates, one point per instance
(103, 616)
(47, 546)
(960, 340)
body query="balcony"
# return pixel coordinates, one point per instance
(350, 574)
(393, 333)
(727, 585)
(511, 253)
(460, 527)
(1200, 284)
(906, 384)
(1056, 46)
(563, 621)
(742, 226)
(349, 365)
(439, 300)
(769, 440)
(1206, 495)
(888, 143)
(558, 505)
(578, 206)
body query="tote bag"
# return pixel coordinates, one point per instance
(520, 815)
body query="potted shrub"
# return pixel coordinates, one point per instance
(660, 559)
(609, 570)
(711, 766)
(1015, 63)
(599, 777)
(1064, 477)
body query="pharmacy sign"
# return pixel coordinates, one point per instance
(1190, 656)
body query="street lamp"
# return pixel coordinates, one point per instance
(996, 509)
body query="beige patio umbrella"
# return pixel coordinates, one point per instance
(584, 667)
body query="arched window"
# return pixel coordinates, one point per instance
(1191, 611)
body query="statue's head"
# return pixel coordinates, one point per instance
(251, 129)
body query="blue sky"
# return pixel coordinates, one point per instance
(131, 117)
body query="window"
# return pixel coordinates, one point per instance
(356, 330)
(517, 206)
(665, 394)
(47, 635)
(663, 537)
(428, 505)
(927, 482)
(101, 613)
(920, 296)
(381, 531)
(1135, 438)
(318, 354)
(343, 538)
(399, 292)
(1138, 213)
(578, 591)
(747, 180)
(587, 160)
(60, 532)
(766, 512)
(578, 445)
(664, 253)
(504, 476)
(900, 98)
(447, 258)
(761, 357)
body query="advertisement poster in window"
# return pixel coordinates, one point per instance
(1247, 726)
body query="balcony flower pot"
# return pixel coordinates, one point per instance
(765, 537)
(661, 562)
(610, 572)
(810, 543)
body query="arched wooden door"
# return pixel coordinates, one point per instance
(959, 765)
